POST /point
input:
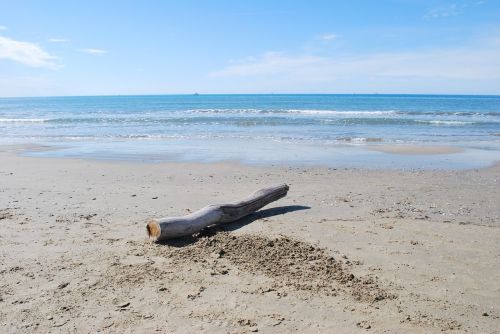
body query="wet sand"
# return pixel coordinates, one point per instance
(347, 250)
(416, 149)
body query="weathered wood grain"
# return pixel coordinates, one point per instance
(174, 227)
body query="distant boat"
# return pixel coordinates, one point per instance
(196, 94)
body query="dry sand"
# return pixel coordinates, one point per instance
(346, 251)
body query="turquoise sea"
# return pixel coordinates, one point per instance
(332, 130)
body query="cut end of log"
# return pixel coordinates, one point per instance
(154, 230)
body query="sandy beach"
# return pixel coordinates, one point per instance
(348, 250)
(337, 164)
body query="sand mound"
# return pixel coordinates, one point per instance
(290, 263)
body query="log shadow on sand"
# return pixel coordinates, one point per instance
(212, 230)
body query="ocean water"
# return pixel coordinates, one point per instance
(334, 130)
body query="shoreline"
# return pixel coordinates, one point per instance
(407, 149)
(408, 157)
(74, 253)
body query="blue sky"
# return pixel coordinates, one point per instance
(170, 47)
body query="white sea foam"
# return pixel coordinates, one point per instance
(457, 123)
(225, 111)
(361, 139)
(341, 112)
(294, 111)
(23, 120)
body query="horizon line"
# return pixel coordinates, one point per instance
(250, 94)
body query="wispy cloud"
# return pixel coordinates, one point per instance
(446, 11)
(93, 51)
(328, 37)
(270, 63)
(58, 40)
(3, 28)
(26, 53)
(453, 9)
(412, 69)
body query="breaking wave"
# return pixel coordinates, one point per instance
(23, 120)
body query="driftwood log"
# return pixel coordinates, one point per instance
(173, 227)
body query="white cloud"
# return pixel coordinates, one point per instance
(3, 28)
(94, 51)
(58, 40)
(26, 53)
(441, 12)
(453, 9)
(328, 37)
(269, 63)
(468, 67)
